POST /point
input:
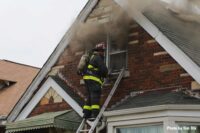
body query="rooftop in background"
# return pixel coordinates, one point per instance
(21, 76)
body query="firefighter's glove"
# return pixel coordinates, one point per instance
(78, 72)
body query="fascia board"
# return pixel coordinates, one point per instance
(50, 83)
(186, 62)
(51, 60)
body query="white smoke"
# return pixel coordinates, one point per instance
(188, 10)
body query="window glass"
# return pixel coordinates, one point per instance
(116, 56)
(142, 129)
(117, 61)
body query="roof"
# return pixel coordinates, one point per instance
(184, 34)
(15, 72)
(153, 98)
(69, 120)
(68, 90)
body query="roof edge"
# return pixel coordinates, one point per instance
(42, 91)
(185, 61)
(20, 63)
(51, 60)
(152, 109)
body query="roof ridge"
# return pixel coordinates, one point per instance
(19, 63)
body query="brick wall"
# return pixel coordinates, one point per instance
(53, 107)
(150, 66)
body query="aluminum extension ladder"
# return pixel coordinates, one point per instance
(94, 124)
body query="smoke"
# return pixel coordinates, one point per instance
(188, 10)
(139, 4)
(89, 34)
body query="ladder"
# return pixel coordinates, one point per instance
(96, 121)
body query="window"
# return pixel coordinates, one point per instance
(141, 129)
(116, 55)
(189, 128)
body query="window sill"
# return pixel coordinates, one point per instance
(126, 74)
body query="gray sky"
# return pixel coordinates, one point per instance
(31, 29)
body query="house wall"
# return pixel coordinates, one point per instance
(52, 107)
(149, 65)
(51, 102)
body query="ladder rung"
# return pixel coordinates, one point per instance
(85, 130)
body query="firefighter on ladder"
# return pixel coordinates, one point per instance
(93, 77)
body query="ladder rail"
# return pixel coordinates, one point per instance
(81, 126)
(95, 123)
(107, 101)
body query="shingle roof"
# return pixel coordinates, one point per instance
(184, 34)
(68, 120)
(153, 98)
(19, 73)
(68, 90)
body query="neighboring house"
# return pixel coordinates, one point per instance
(14, 80)
(159, 92)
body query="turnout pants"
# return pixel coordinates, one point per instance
(92, 102)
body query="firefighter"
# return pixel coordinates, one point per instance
(93, 77)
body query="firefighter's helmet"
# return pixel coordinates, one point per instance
(100, 46)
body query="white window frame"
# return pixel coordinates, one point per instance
(109, 53)
(169, 115)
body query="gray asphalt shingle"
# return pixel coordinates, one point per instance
(153, 98)
(184, 34)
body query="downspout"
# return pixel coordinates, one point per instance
(103, 125)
